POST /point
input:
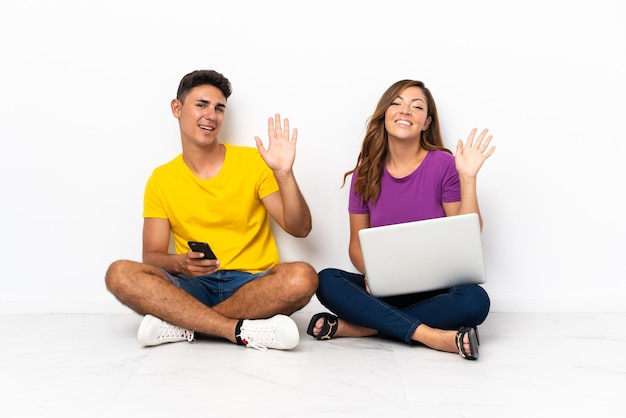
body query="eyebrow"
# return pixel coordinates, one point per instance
(414, 100)
(205, 101)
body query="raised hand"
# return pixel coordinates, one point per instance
(470, 157)
(280, 153)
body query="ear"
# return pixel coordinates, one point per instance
(176, 106)
(427, 123)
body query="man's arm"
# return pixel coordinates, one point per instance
(287, 207)
(156, 242)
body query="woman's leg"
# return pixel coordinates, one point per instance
(443, 313)
(464, 305)
(344, 294)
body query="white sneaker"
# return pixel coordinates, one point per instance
(279, 332)
(155, 331)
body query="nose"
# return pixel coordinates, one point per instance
(406, 109)
(209, 113)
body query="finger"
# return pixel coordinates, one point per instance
(488, 153)
(470, 138)
(286, 129)
(480, 138)
(486, 143)
(193, 254)
(270, 127)
(259, 144)
(459, 147)
(278, 130)
(294, 136)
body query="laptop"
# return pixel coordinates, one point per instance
(424, 255)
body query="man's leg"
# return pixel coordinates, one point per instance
(283, 290)
(147, 290)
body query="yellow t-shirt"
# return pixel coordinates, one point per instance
(226, 211)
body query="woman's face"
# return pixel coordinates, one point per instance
(407, 116)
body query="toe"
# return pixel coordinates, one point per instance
(318, 327)
(467, 345)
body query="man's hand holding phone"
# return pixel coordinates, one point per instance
(201, 251)
(202, 247)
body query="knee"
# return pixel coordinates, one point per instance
(117, 276)
(309, 277)
(480, 304)
(303, 279)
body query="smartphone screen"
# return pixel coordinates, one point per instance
(202, 247)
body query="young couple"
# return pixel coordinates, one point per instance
(225, 195)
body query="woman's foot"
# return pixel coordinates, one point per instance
(471, 336)
(444, 340)
(325, 326)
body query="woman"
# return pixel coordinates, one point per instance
(403, 158)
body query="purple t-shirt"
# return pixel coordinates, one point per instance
(415, 197)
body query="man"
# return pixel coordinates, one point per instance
(220, 194)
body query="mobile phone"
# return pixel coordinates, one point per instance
(202, 247)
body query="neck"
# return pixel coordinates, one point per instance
(205, 162)
(404, 158)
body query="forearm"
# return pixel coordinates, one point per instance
(167, 262)
(469, 198)
(356, 256)
(296, 214)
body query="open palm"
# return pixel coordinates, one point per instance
(470, 157)
(280, 153)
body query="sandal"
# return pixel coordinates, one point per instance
(473, 342)
(329, 327)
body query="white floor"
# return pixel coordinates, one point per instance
(538, 365)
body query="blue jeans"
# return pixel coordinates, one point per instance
(344, 294)
(216, 287)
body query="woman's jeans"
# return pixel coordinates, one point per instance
(344, 294)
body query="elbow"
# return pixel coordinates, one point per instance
(303, 231)
(300, 229)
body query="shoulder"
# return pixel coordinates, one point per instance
(241, 151)
(440, 164)
(440, 156)
(441, 159)
(173, 165)
(243, 156)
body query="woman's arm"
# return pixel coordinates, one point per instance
(357, 222)
(469, 158)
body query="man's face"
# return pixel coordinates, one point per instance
(200, 115)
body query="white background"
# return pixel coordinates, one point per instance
(84, 118)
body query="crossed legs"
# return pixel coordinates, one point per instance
(441, 314)
(147, 290)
